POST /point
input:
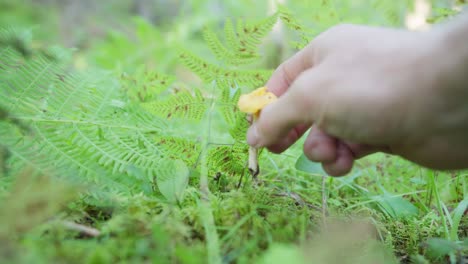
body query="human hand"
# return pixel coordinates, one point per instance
(365, 89)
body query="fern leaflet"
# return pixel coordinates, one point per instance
(182, 105)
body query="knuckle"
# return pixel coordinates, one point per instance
(342, 28)
(285, 71)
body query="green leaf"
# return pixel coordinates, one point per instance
(172, 179)
(305, 165)
(395, 206)
(457, 216)
(439, 247)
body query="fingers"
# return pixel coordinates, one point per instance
(342, 164)
(294, 108)
(362, 150)
(289, 70)
(320, 146)
(290, 139)
(279, 83)
(337, 156)
(346, 154)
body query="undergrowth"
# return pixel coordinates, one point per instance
(102, 166)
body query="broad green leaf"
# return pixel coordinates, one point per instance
(304, 164)
(439, 247)
(457, 216)
(395, 206)
(172, 179)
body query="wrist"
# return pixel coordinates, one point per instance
(449, 81)
(449, 58)
(452, 50)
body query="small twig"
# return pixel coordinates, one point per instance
(82, 229)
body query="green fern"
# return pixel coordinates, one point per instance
(291, 22)
(144, 85)
(242, 45)
(227, 103)
(209, 72)
(239, 129)
(182, 105)
(105, 129)
(242, 42)
(180, 148)
(78, 124)
(250, 34)
(229, 160)
(228, 54)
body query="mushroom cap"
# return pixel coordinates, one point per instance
(255, 101)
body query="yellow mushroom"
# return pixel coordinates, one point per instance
(252, 103)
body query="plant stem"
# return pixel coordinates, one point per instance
(432, 178)
(204, 204)
(324, 201)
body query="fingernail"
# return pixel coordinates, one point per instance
(253, 138)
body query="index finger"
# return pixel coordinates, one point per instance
(289, 70)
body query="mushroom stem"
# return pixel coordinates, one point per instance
(253, 166)
(252, 103)
(254, 169)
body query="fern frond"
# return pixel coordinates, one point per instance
(181, 105)
(209, 72)
(78, 124)
(43, 155)
(239, 129)
(230, 160)
(205, 70)
(230, 35)
(242, 43)
(227, 103)
(250, 34)
(291, 22)
(249, 78)
(228, 56)
(145, 86)
(179, 148)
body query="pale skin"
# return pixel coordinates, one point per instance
(362, 90)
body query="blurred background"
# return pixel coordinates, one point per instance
(123, 33)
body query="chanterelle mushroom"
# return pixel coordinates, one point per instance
(252, 103)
